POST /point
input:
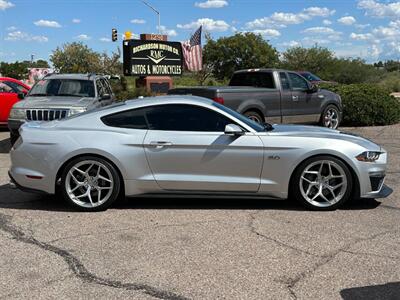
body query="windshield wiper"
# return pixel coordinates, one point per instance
(268, 127)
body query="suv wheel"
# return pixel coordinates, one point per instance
(90, 183)
(322, 183)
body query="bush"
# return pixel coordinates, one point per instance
(391, 82)
(367, 105)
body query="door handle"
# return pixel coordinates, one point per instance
(295, 98)
(160, 144)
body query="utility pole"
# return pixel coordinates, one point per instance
(157, 12)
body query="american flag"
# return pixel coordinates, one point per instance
(192, 52)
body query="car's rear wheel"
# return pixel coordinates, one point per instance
(330, 118)
(322, 183)
(255, 116)
(90, 183)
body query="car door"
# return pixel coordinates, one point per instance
(8, 97)
(187, 150)
(304, 106)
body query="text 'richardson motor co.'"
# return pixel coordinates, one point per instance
(156, 58)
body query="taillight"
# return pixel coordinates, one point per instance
(219, 100)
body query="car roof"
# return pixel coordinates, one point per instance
(168, 99)
(78, 76)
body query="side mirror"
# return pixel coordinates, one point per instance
(313, 88)
(105, 97)
(233, 129)
(21, 95)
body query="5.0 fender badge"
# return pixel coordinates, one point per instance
(274, 157)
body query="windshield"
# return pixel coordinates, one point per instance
(310, 76)
(257, 127)
(63, 87)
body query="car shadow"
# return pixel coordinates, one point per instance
(5, 146)
(385, 291)
(15, 199)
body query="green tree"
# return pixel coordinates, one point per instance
(316, 59)
(392, 65)
(19, 69)
(79, 58)
(240, 51)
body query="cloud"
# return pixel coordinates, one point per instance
(105, 39)
(348, 20)
(361, 36)
(83, 37)
(362, 26)
(267, 32)
(282, 19)
(76, 21)
(23, 36)
(138, 21)
(5, 4)
(11, 28)
(208, 24)
(327, 22)
(290, 44)
(320, 30)
(165, 30)
(212, 4)
(380, 10)
(47, 23)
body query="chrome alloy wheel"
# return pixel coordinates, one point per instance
(89, 183)
(255, 119)
(323, 183)
(331, 118)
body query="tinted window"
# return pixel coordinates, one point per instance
(310, 77)
(106, 86)
(16, 86)
(63, 87)
(185, 118)
(134, 119)
(284, 81)
(101, 90)
(256, 79)
(298, 82)
(4, 88)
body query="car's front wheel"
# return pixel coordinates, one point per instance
(255, 116)
(330, 118)
(322, 183)
(90, 183)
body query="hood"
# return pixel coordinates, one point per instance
(54, 102)
(321, 132)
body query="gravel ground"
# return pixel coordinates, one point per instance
(201, 248)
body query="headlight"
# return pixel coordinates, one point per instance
(17, 114)
(74, 111)
(369, 156)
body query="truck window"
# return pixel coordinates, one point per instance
(255, 79)
(284, 81)
(298, 82)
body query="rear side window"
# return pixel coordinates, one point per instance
(255, 79)
(133, 119)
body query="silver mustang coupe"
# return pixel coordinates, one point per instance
(190, 146)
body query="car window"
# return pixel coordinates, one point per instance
(255, 79)
(284, 81)
(133, 119)
(15, 86)
(63, 87)
(298, 82)
(100, 88)
(4, 88)
(182, 117)
(106, 86)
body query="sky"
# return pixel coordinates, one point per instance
(369, 29)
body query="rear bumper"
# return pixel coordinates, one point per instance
(15, 185)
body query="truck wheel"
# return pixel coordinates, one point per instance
(330, 118)
(255, 116)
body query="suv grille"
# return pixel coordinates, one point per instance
(46, 114)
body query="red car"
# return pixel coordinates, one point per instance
(11, 91)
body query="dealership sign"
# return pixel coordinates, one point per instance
(152, 58)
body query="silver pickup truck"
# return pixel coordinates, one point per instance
(58, 96)
(275, 96)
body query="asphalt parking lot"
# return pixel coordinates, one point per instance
(201, 249)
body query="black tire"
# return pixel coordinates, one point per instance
(114, 193)
(13, 138)
(325, 114)
(296, 182)
(255, 116)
